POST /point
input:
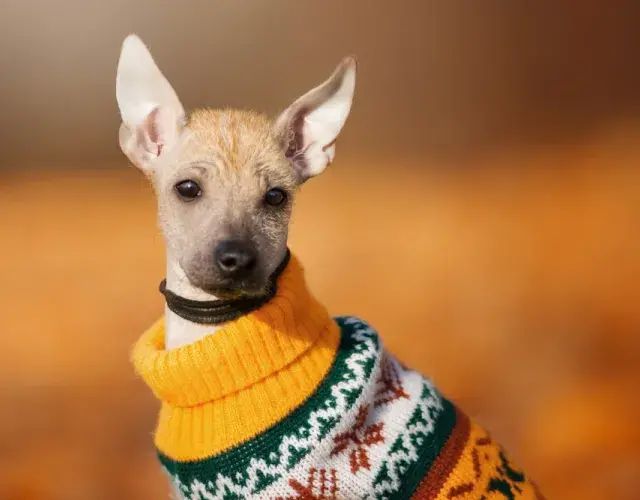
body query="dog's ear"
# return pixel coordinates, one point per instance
(152, 115)
(309, 127)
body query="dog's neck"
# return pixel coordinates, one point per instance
(180, 331)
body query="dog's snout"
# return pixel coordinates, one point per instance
(235, 257)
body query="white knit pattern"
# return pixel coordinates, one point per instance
(393, 417)
(344, 463)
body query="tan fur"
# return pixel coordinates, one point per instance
(237, 137)
(235, 157)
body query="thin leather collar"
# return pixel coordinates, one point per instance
(214, 312)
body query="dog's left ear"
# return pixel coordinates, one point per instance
(309, 127)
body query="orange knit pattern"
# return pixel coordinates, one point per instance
(230, 386)
(472, 466)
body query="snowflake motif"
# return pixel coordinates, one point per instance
(390, 384)
(358, 439)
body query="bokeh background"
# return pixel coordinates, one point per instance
(483, 212)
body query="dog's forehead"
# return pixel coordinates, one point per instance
(231, 138)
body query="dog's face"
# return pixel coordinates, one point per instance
(224, 200)
(225, 180)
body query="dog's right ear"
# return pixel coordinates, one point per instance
(152, 115)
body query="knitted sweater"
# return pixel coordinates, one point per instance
(288, 403)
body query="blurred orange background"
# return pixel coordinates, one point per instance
(482, 213)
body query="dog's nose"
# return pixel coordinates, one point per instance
(235, 257)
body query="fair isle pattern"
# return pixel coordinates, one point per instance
(365, 440)
(246, 470)
(471, 466)
(372, 430)
(417, 444)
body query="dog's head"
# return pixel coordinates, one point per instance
(225, 179)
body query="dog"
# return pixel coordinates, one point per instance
(264, 395)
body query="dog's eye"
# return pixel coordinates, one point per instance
(188, 190)
(275, 197)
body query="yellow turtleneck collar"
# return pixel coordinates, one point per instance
(229, 386)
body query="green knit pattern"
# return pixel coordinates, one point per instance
(388, 446)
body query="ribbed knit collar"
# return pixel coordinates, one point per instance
(241, 353)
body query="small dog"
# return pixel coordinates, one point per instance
(264, 395)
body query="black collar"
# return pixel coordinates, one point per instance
(214, 312)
